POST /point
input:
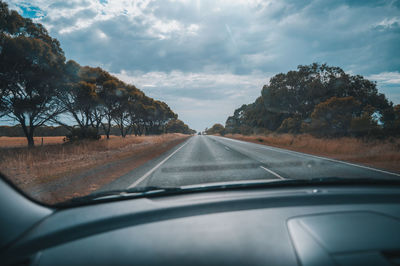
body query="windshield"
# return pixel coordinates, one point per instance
(99, 97)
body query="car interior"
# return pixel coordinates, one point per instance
(189, 132)
(267, 224)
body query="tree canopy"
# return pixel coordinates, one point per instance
(216, 129)
(31, 67)
(178, 126)
(317, 99)
(38, 87)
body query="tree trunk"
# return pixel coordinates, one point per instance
(28, 134)
(122, 131)
(135, 130)
(31, 141)
(107, 130)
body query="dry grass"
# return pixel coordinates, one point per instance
(383, 154)
(11, 142)
(14, 142)
(43, 164)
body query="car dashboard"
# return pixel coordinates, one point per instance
(316, 225)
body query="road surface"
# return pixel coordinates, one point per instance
(205, 159)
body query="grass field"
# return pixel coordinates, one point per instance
(9, 142)
(34, 167)
(13, 142)
(384, 154)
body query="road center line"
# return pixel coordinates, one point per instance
(272, 172)
(155, 167)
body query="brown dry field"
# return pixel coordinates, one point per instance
(13, 142)
(10, 142)
(383, 154)
(56, 170)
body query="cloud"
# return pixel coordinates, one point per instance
(386, 77)
(389, 23)
(237, 36)
(199, 98)
(221, 52)
(389, 84)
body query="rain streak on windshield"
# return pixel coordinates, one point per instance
(99, 98)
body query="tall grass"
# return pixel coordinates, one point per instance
(377, 153)
(45, 163)
(12, 142)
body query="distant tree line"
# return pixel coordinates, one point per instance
(38, 87)
(178, 126)
(216, 129)
(173, 126)
(321, 100)
(43, 131)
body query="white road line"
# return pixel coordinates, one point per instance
(300, 154)
(272, 172)
(155, 167)
(226, 148)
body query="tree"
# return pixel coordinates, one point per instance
(290, 125)
(37, 87)
(123, 111)
(286, 104)
(391, 121)
(109, 98)
(79, 99)
(216, 129)
(158, 114)
(30, 72)
(178, 126)
(396, 120)
(233, 123)
(298, 92)
(333, 117)
(365, 125)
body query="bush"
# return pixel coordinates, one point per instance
(290, 125)
(216, 129)
(246, 130)
(364, 127)
(333, 117)
(82, 133)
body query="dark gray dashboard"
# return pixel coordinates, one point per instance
(309, 226)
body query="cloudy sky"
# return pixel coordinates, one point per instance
(207, 58)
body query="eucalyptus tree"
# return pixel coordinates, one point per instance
(78, 97)
(288, 101)
(109, 101)
(31, 67)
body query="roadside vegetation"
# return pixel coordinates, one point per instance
(14, 142)
(383, 154)
(320, 100)
(38, 87)
(321, 110)
(83, 127)
(61, 166)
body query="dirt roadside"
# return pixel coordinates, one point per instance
(381, 154)
(88, 180)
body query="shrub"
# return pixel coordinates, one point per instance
(82, 133)
(290, 125)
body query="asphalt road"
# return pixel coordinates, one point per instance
(205, 159)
